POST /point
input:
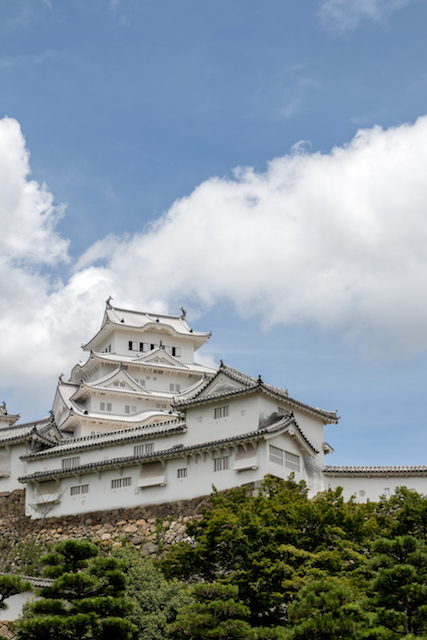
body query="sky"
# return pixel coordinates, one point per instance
(262, 164)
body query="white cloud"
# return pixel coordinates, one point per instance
(339, 239)
(347, 14)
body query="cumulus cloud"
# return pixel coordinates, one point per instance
(338, 239)
(347, 14)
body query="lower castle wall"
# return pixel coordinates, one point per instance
(149, 528)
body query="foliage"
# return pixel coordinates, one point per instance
(86, 599)
(270, 545)
(11, 585)
(216, 614)
(156, 599)
(399, 588)
(326, 609)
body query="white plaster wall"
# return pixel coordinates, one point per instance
(203, 427)
(201, 477)
(16, 468)
(374, 487)
(122, 339)
(120, 450)
(15, 604)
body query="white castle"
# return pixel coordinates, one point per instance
(141, 423)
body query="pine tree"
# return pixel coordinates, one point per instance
(216, 614)
(85, 601)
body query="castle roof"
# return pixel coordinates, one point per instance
(118, 318)
(7, 419)
(246, 384)
(44, 430)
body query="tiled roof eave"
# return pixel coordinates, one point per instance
(272, 391)
(176, 452)
(193, 335)
(375, 471)
(101, 440)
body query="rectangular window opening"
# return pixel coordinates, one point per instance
(221, 464)
(71, 463)
(222, 412)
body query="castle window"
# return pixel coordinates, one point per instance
(221, 464)
(175, 387)
(182, 473)
(121, 482)
(130, 345)
(71, 463)
(284, 458)
(176, 351)
(77, 490)
(141, 346)
(127, 408)
(109, 406)
(143, 449)
(102, 406)
(222, 412)
(115, 384)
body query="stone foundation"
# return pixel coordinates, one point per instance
(6, 631)
(150, 528)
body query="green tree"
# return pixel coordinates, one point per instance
(326, 609)
(216, 614)
(403, 513)
(85, 601)
(156, 599)
(269, 545)
(10, 585)
(399, 588)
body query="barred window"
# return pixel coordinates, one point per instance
(182, 473)
(222, 412)
(121, 482)
(220, 464)
(143, 449)
(284, 458)
(77, 490)
(71, 463)
(291, 461)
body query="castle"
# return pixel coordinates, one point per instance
(140, 422)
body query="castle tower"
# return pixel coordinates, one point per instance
(139, 365)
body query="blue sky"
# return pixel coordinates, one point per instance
(309, 268)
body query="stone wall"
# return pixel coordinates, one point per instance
(6, 631)
(149, 528)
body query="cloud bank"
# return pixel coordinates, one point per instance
(347, 14)
(338, 239)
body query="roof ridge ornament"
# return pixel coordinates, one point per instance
(108, 302)
(183, 314)
(3, 409)
(259, 381)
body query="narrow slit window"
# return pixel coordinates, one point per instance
(222, 412)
